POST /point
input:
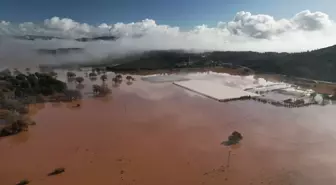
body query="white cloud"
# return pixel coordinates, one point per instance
(243, 24)
(258, 26)
(311, 21)
(246, 31)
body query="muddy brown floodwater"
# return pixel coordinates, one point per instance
(159, 134)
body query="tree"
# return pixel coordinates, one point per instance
(92, 75)
(11, 104)
(71, 74)
(16, 72)
(72, 94)
(98, 70)
(233, 139)
(21, 77)
(79, 79)
(100, 90)
(103, 78)
(129, 78)
(96, 89)
(53, 74)
(6, 72)
(116, 82)
(24, 84)
(118, 76)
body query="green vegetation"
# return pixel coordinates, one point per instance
(71, 74)
(20, 90)
(93, 76)
(100, 90)
(103, 78)
(130, 78)
(319, 64)
(79, 79)
(233, 139)
(23, 85)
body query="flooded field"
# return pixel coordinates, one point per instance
(150, 134)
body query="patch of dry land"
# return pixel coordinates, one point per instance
(160, 134)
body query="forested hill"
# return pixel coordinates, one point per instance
(318, 64)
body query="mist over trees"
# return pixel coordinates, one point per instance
(318, 64)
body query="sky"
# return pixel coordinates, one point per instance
(182, 13)
(224, 25)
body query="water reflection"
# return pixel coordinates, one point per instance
(129, 83)
(101, 90)
(93, 79)
(80, 86)
(116, 82)
(151, 91)
(116, 85)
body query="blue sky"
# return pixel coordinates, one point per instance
(183, 13)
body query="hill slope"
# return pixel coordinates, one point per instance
(318, 64)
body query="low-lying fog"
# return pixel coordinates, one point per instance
(306, 30)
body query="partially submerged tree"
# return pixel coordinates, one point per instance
(100, 90)
(93, 76)
(23, 182)
(71, 74)
(13, 123)
(56, 171)
(13, 105)
(79, 79)
(71, 94)
(233, 139)
(118, 76)
(95, 89)
(99, 70)
(116, 81)
(103, 78)
(33, 84)
(129, 78)
(18, 91)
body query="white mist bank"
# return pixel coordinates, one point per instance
(306, 30)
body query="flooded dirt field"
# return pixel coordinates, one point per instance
(159, 134)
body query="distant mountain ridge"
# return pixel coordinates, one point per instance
(35, 37)
(105, 38)
(82, 39)
(60, 51)
(318, 64)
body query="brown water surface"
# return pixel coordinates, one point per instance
(159, 134)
